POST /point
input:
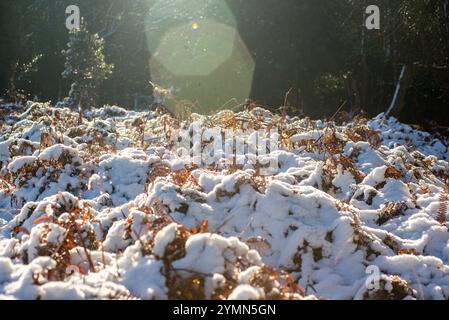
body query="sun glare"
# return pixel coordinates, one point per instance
(196, 49)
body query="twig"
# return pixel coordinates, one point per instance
(332, 118)
(286, 96)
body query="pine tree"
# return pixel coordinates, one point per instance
(85, 65)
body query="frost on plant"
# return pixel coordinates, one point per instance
(98, 209)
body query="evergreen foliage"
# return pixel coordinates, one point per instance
(85, 65)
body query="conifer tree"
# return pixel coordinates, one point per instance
(85, 64)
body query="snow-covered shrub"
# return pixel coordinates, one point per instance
(107, 208)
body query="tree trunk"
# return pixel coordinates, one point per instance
(404, 82)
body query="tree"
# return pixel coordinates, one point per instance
(85, 65)
(318, 51)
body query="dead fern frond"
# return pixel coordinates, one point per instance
(203, 228)
(393, 173)
(290, 287)
(391, 210)
(180, 177)
(443, 202)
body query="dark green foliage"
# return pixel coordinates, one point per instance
(85, 65)
(318, 49)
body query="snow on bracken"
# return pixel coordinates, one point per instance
(109, 209)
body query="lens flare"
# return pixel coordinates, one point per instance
(196, 47)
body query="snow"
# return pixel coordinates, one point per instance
(209, 254)
(6, 268)
(246, 292)
(164, 238)
(55, 152)
(130, 217)
(144, 279)
(21, 162)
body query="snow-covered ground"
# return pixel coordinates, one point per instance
(109, 209)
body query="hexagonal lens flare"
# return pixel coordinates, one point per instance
(197, 50)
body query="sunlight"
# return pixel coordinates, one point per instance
(197, 50)
(223, 156)
(195, 26)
